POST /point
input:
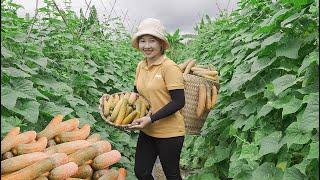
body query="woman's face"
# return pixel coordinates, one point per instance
(150, 46)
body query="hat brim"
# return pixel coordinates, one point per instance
(135, 37)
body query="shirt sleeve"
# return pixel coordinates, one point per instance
(173, 77)
(137, 73)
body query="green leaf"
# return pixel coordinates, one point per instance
(9, 97)
(21, 89)
(26, 87)
(84, 114)
(232, 131)
(20, 37)
(95, 92)
(240, 121)
(250, 122)
(203, 176)
(254, 88)
(91, 70)
(73, 101)
(308, 60)
(287, 65)
(242, 69)
(267, 171)
(298, 3)
(282, 83)
(242, 169)
(311, 75)
(67, 35)
(220, 154)
(249, 151)
(102, 78)
(91, 63)
(253, 54)
(262, 133)
(303, 165)
(253, 45)
(84, 80)
(293, 173)
(272, 39)
(236, 49)
(53, 109)
(52, 86)
(270, 21)
(314, 151)
(261, 64)
(266, 109)
(271, 143)
(292, 18)
(122, 137)
(310, 117)
(42, 61)
(29, 109)
(233, 105)
(225, 69)
(295, 134)
(311, 88)
(13, 72)
(91, 84)
(199, 142)
(124, 160)
(249, 108)
(292, 106)
(239, 80)
(79, 48)
(289, 49)
(7, 123)
(27, 69)
(6, 53)
(309, 97)
(289, 103)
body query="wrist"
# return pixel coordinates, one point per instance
(150, 119)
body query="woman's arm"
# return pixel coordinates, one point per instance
(135, 89)
(177, 102)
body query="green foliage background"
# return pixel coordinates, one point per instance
(51, 66)
(266, 122)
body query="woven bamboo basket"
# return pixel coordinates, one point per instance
(193, 124)
(121, 127)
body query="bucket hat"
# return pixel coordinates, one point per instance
(152, 27)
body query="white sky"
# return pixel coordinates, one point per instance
(174, 14)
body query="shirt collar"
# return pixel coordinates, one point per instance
(159, 61)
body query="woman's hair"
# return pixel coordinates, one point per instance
(159, 40)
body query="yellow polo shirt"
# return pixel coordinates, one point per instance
(153, 81)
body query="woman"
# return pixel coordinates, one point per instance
(160, 81)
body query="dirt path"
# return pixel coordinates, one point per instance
(158, 174)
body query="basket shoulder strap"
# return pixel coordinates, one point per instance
(162, 69)
(138, 71)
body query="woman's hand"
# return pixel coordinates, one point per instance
(140, 123)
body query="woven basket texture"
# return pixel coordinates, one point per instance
(193, 124)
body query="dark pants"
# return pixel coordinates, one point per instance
(168, 149)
